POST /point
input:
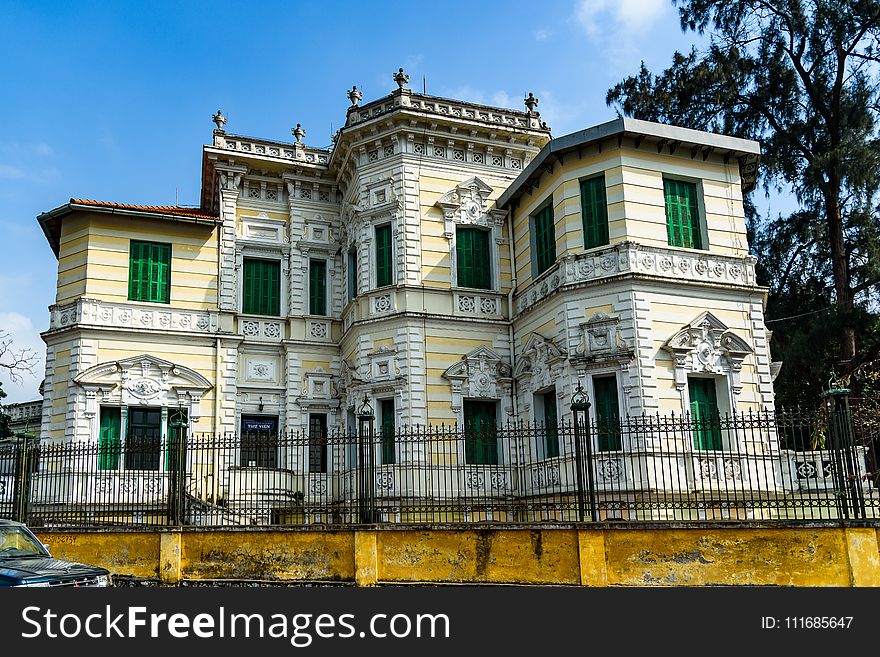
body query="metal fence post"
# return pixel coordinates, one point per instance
(177, 465)
(580, 407)
(846, 462)
(22, 480)
(366, 463)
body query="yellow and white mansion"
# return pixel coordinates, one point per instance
(448, 261)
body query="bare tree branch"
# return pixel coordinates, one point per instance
(16, 361)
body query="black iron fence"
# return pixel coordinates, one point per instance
(744, 467)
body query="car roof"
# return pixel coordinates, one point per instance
(10, 523)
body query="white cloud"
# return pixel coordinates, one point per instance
(24, 336)
(10, 172)
(542, 34)
(619, 28)
(598, 16)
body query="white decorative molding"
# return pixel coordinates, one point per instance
(318, 330)
(481, 374)
(261, 370)
(381, 303)
(261, 329)
(143, 380)
(601, 342)
(540, 364)
(486, 304)
(90, 312)
(633, 258)
(707, 345)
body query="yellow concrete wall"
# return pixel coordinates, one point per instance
(94, 258)
(593, 556)
(73, 252)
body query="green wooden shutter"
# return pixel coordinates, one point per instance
(149, 272)
(481, 445)
(705, 419)
(261, 288)
(682, 214)
(317, 287)
(551, 433)
(352, 274)
(464, 253)
(545, 240)
(482, 265)
(383, 256)
(472, 258)
(173, 436)
(594, 210)
(607, 413)
(386, 408)
(109, 447)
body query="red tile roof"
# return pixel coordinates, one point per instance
(197, 213)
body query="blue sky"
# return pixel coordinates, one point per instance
(113, 101)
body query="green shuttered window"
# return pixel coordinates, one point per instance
(594, 210)
(262, 287)
(352, 274)
(480, 439)
(544, 240)
(383, 256)
(386, 408)
(109, 445)
(472, 256)
(705, 418)
(682, 214)
(149, 272)
(551, 422)
(317, 287)
(607, 413)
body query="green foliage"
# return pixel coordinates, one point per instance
(800, 76)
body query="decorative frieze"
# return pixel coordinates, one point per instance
(89, 312)
(633, 258)
(261, 329)
(477, 304)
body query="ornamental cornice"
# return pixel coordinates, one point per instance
(632, 258)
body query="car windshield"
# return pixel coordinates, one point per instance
(17, 542)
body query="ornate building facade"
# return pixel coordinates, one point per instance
(447, 261)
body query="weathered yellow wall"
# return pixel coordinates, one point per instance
(596, 556)
(535, 556)
(133, 554)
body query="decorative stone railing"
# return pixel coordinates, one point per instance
(90, 312)
(639, 259)
(24, 411)
(442, 106)
(484, 304)
(265, 148)
(257, 328)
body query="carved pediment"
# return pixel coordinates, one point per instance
(707, 345)
(145, 380)
(702, 344)
(481, 374)
(540, 363)
(468, 203)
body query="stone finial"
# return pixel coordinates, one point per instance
(354, 95)
(531, 102)
(299, 133)
(219, 119)
(401, 78)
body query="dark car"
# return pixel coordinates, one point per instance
(25, 561)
